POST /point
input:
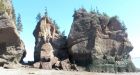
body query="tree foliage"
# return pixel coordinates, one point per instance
(95, 11)
(123, 26)
(116, 19)
(38, 17)
(13, 15)
(19, 24)
(56, 26)
(63, 33)
(63, 36)
(46, 12)
(104, 14)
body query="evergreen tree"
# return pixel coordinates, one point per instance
(13, 15)
(97, 10)
(19, 24)
(92, 11)
(104, 14)
(63, 36)
(63, 33)
(38, 17)
(56, 26)
(46, 12)
(123, 26)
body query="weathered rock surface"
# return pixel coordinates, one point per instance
(96, 42)
(11, 46)
(50, 47)
(6, 6)
(99, 43)
(42, 34)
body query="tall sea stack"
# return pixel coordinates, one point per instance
(99, 43)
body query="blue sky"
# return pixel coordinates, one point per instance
(62, 11)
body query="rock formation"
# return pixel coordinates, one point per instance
(11, 46)
(99, 43)
(96, 42)
(42, 35)
(50, 48)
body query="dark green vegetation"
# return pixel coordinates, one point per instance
(19, 24)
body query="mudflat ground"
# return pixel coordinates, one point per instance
(31, 71)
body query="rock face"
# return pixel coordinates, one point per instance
(11, 46)
(99, 43)
(96, 42)
(6, 6)
(50, 47)
(42, 34)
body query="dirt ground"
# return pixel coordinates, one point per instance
(30, 71)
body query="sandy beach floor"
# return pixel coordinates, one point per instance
(31, 71)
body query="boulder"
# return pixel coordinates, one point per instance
(46, 65)
(96, 42)
(36, 65)
(65, 65)
(46, 52)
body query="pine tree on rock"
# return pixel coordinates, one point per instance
(46, 12)
(38, 17)
(19, 24)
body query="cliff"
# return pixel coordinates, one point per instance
(12, 49)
